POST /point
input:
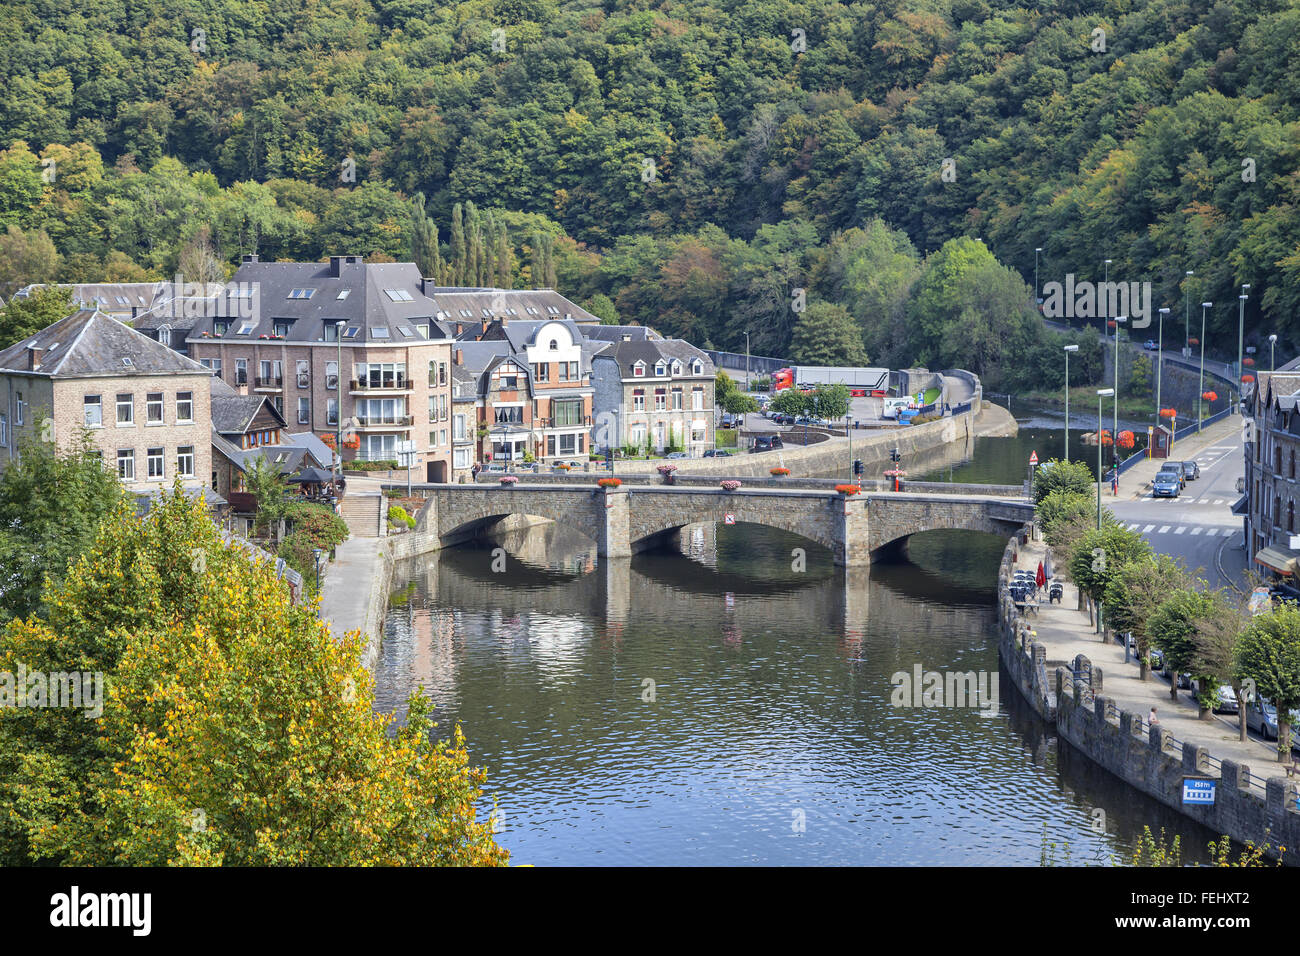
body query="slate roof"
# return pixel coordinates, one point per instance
(627, 354)
(471, 306)
(617, 333)
(90, 343)
(232, 414)
(322, 452)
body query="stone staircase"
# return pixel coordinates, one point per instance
(365, 514)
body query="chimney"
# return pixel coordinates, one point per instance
(249, 257)
(460, 357)
(483, 323)
(336, 265)
(34, 357)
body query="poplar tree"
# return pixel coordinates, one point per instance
(458, 249)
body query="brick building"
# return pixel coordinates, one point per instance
(145, 407)
(1272, 492)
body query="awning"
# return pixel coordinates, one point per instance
(1281, 560)
(1242, 506)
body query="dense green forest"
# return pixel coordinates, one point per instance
(843, 180)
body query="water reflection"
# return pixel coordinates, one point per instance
(711, 705)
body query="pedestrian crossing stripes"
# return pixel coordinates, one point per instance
(1209, 532)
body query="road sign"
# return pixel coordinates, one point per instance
(1033, 457)
(1198, 790)
(729, 518)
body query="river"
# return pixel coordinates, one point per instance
(723, 703)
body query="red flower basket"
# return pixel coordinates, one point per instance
(1126, 439)
(610, 482)
(1248, 361)
(1210, 396)
(779, 472)
(1247, 378)
(848, 489)
(1193, 341)
(1168, 413)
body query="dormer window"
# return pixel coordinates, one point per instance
(677, 368)
(246, 328)
(697, 367)
(638, 370)
(220, 328)
(282, 329)
(660, 368)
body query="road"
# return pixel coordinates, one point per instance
(1197, 527)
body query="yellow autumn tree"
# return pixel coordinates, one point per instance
(237, 730)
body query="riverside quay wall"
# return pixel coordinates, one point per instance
(1246, 808)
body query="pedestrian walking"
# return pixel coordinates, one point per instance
(1152, 719)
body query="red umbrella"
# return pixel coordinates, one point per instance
(1040, 577)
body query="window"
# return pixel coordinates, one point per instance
(569, 444)
(442, 373)
(280, 328)
(460, 458)
(458, 427)
(697, 367)
(241, 371)
(378, 332)
(94, 411)
(304, 374)
(677, 368)
(398, 295)
(508, 414)
(304, 411)
(343, 295)
(331, 375)
(433, 438)
(184, 407)
(155, 464)
(697, 434)
(638, 370)
(697, 398)
(246, 328)
(220, 328)
(677, 399)
(661, 400)
(555, 345)
(4, 430)
(20, 413)
(301, 293)
(660, 368)
(423, 330)
(126, 464)
(125, 408)
(550, 446)
(352, 332)
(638, 400)
(332, 331)
(567, 414)
(542, 372)
(153, 408)
(381, 375)
(332, 411)
(164, 335)
(185, 461)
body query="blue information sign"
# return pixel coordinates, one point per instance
(1198, 791)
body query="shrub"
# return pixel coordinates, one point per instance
(321, 526)
(730, 484)
(610, 482)
(399, 515)
(372, 466)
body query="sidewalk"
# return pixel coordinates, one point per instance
(1137, 479)
(348, 583)
(1065, 632)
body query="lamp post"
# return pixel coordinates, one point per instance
(1241, 328)
(1101, 393)
(1037, 300)
(1114, 435)
(1105, 279)
(1200, 397)
(1272, 343)
(743, 415)
(1160, 360)
(1068, 350)
(316, 553)
(1187, 313)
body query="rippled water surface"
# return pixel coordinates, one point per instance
(712, 704)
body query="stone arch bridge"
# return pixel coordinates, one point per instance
(625, 520)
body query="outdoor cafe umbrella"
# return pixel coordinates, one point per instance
(312, 475)
(1040, 578)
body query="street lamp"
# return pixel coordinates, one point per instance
(1199, 397)
(316, 553)
(1101, 393)
(1272, 343)
(1068, 350)
(1114, 435)
(1160, 361)
(1187, 313)
(1037, 299)
(1241, 327)
(743, 419)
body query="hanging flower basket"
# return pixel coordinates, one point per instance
(1105, 437)
(1168, 413)
(1110, 323)
(1248, 361)
(778, 472)
(610, 482)
(666, 469)
(508, 480)
(1193, 341)
(1126, 439)
(1210, 396)
(731, 484)
(848, 489)
(1247, 379)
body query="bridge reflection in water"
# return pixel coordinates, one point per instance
(711, 703)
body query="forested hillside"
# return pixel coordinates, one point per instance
(694, 162)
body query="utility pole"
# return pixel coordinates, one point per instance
(1187, 312)
(1241, 327)
(1160, 361)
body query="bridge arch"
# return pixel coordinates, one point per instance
(465, 513)
(654, 515)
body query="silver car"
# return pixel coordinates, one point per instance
(1261, 717)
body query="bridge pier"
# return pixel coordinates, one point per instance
(616, 530)
(853, 535)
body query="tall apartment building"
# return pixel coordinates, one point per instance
(145, 407)
(344, 346)
(1272, 486)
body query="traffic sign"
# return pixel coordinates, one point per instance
(729, 518)
(1033, 457)
(1198, 790)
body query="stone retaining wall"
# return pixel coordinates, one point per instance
(1073, 700)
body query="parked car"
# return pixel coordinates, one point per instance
(1191, 470)
(1150, 345)
(495, 468)
(766, 443)
(674, 455)
(1261, 717)
(1174, 468)
(729, 420)
(1166, 484)
(1157, 659)
(785, 419)
(1226, 702)
(717, 453)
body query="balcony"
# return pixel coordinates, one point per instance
(384, 422)
(398, 384)
(564, 421)
(272, 383)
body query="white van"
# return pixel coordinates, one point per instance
(891, 406)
